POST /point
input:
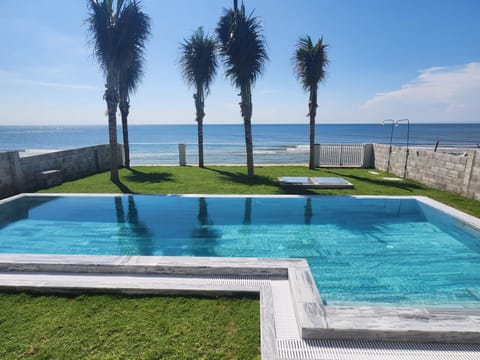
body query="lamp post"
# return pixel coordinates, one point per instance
(408, 142)
(389, 121)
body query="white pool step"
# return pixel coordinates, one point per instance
(283, 296)
(287, 341)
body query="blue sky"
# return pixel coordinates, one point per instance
(388, 59)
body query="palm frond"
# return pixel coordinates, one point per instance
(310, 62)
(118, 39)
(242, 46)
(198, 60)
(129, 79)
(99, 21)
(133, 30)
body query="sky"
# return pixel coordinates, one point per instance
(389, 59)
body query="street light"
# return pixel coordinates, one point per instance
(389, 121)
(408, 141)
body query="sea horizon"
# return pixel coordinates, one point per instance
(225, 144)
(241, 123)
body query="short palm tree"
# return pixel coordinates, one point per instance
(117, 44)
(310, 68)
(243, 50)
(198, 62)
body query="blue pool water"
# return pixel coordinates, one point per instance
(360, 250)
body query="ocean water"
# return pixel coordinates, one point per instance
(224, 144)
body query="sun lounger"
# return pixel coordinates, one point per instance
(315, 182)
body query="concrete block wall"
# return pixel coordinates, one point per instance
(455, 173)
(474, 177)
(24, 174)
(7, 182)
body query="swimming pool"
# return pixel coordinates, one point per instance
(361, 250)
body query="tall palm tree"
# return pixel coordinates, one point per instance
(310, 68)
(138, 25)
(117, 44)
(243, 49)
(198, 62)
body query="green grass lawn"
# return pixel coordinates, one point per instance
(126, 327)
(233, 180)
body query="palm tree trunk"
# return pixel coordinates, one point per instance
(200, 143)
(246, 109)
(313, 114)
(124, 110)
(112, 104)
(199, 106)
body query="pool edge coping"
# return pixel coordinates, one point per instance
(314, 320)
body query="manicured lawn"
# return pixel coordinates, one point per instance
(233, 180)
(126, 327)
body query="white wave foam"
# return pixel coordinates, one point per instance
(298, 148)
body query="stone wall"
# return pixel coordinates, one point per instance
(457, 173)
(30, 173)
(8, 184)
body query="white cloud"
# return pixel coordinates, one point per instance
(10, 79)
(56, 85)
(437, 94)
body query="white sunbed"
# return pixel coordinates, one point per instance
(315, 182)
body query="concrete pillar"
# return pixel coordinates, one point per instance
(121, 155)
(316, 155)
(368, 156)
(182, 154)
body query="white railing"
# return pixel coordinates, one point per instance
(339, 155)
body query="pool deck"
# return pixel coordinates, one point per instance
(294, 322)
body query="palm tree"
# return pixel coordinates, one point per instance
(198, 62)
(138, 25)
(243, 49)
(310, 68)
(117, 45)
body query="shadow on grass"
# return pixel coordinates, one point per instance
(122, 187)
(153, 177)
(407, 186)
(244, 179)
(257, 180)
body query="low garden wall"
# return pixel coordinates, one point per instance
(30, 173)
(457, 173)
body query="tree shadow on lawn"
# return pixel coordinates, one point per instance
(123, 188)
(153, 177)
(244, 179)
(387, 183)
